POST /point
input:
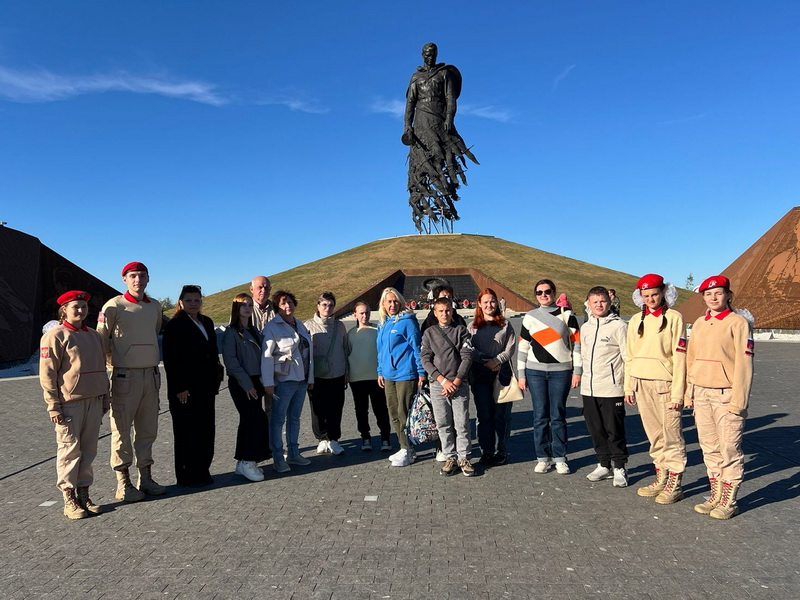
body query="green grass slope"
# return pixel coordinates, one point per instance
(516, 266)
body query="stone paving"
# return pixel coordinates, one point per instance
(316, 533)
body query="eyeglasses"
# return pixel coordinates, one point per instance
(544, 292)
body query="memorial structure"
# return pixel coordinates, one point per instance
(32, 276)
(437, 154)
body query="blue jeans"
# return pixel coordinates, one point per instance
(287, 406)
(494, 420)
(549, 392)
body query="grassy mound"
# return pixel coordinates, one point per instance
(516, 266)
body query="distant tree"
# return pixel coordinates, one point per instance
(689, 282)
(167, 304)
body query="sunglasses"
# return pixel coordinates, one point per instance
(544, 292)
(191, 289)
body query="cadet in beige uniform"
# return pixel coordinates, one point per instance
(72, 372)
(720, 374)
(655, 379)
(130, 325)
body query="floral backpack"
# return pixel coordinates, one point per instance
(420, 425)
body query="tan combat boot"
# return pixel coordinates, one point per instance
(125, 490)
(727, 506)
(148, 485)
(72, 510)
(672, 492)
(86, 502)
(654, 488)
(709, 505)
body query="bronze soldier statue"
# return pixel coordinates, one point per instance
(436, 160)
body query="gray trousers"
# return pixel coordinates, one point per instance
(452, 420)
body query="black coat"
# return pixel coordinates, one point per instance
(191, 361)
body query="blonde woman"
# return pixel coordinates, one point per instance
(400, 370)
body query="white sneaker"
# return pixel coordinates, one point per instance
(405, 459)
(248, 469)
(280, 466)
(600, 473)
(298, 460)
(336, 447)
(562, 468)
(397, 454)
(543, 466)
(323, 447)
(620, 478)
(386, 446)
(440, 457)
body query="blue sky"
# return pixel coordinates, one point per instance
(219, 140)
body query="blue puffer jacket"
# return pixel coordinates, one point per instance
(398, 349)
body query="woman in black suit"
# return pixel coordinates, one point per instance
(192, 365)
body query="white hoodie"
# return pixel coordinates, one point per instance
(603, 343)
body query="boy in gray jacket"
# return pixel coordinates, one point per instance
(603, 343)
(446, 356)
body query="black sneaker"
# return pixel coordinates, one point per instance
(488, 458)
(499, 459)
(450, 467)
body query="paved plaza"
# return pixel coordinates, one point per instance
(352, 527)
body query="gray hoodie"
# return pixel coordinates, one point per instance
(440, 358)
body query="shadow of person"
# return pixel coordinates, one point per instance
(777, 491)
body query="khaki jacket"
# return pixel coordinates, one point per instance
(72, 366)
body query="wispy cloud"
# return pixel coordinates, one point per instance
(396, 108)
(562, 76)
(294, 101)
(44, 86)
(486, 112)
(696, 117)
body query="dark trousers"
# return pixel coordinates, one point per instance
(605, 420)
(365, 392)
(252, 437)
(327, 403)
(193, 428)
(494, 420)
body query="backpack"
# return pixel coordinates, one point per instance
(420, 425)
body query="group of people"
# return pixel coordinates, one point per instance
(273, 360)
(647, 362)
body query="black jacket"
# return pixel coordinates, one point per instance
(191, 361)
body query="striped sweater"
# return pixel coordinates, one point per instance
(550, 340)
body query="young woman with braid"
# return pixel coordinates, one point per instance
(720, 374)
(655, 379)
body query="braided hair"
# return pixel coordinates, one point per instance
(664, 308)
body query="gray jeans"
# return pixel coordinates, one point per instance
(452, 420)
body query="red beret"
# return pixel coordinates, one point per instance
(133, 266)
(650, 280)
(73, 295)
(715, 281)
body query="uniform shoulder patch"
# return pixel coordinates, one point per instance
(750, 346)
(681, 345)
(44, 352)
(101, 318)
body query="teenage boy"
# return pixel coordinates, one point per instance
(603, 343)
(129, 324)
(363, 360)
(442, 291)
(447, 356)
